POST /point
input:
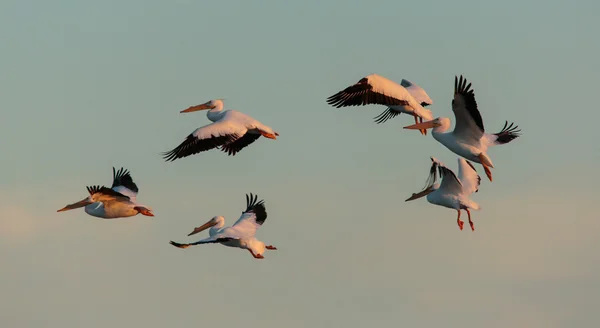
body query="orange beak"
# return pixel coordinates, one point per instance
(203, 227)
(198, 107)
(420, 194)
(73, 206)
(423, 126)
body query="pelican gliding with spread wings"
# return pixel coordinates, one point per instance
(241, 234)
(118, 201)
(406, 97)
(231, 131)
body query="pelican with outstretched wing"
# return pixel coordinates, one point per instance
(406, 97)
(231, 131)
(241, 234)
(118, 201)
(468, 139)
(453, 192)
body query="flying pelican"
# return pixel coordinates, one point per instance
(231, 131)
(241, 234)
(453, 192)
(468, 139)
(118, 201)
(406, 97)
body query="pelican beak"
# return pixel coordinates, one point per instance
(204, 106)
(423, 125)
(73, 206)
(420, 194)
(203, 227)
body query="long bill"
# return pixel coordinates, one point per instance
(425, 192)
(203, 227)
(204, 106)
(79, 204)
(423, 125)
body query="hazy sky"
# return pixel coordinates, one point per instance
(85, 86)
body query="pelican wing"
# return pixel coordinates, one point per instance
(252, 218)
(104, 194)
(207, 137)
(241, 143)
(123, 183)
(216, 239)
(417, 92)
(372, 89)
(450, 183)
(468, 176)
(469, 124)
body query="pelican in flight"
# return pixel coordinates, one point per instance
(406, 97)
(241, 234)
(453, 192)
(118, 201)
(231, 131)
(468, 139)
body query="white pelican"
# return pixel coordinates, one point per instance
(231, 131)
(453, 192)
(241, 234)
(118, 201)
(406, 97)
(468, 139)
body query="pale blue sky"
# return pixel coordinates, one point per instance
(85, 86)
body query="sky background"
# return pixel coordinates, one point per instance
(85, 86)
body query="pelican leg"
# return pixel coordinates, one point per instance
(271, 247)
(470, 222)
(417, 118)
(486, 168)
(255, 256)
(425, 130)
(460, 223)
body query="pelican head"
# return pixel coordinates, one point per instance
(217, 221)
(147, 211)
(212, 104)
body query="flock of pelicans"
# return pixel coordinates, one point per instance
(231, 131)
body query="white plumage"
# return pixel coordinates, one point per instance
(453, 192)
(231, 131)
(406, 97)
(241, 234)
(468, 139)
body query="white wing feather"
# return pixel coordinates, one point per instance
(468, 177)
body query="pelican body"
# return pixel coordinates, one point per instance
(468, 139)
(241, 234)
(119, 201)
(406, 97)
(231, 131)
(453, 192)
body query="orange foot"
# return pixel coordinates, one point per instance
(271, 247)
(269, 135)
(259, 256)
(472, 225)
(460, 224)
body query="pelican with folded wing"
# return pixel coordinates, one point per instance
(468, 139)
(453, 192)
(241, 234)
(118, 201)
(406, 97)
(231, 131)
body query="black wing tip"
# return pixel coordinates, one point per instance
(386, 115)
(508, 133)
(461, 86)
(257, 207)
